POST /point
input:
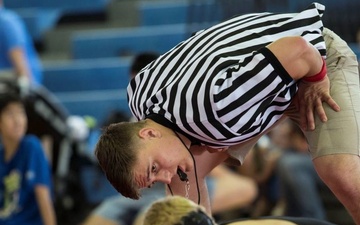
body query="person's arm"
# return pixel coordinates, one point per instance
(232, 190)
(19, 62)
(300, 59)
(46, 207)
(21, 69)
(205, 162)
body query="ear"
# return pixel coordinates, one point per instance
(149, 133)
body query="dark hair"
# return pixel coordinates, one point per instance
(142, 60)
(115, 116)
(7, 98)
(197, 217)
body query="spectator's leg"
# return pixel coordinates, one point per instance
(300, 182)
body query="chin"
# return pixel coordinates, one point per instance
(17, 137)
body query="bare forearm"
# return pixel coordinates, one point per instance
(19, 62)
(45, 205)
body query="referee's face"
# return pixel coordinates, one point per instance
(159, 160)
(153, 167)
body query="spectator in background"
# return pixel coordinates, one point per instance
(140, 61)
(26, 184)
(260, 164)
(281, 164)
(17, 53)
(298, 178)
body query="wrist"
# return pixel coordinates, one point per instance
(319, 76)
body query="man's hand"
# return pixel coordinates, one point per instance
(311, 95)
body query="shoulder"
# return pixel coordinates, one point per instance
(32, 149)
(11, 23)
(31, 141)
(30, 138)
(9, 16)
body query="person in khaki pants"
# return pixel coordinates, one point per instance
(209, 99)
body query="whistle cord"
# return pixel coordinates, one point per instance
(187, 187)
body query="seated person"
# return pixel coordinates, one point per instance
(177, 210)
(25, 174)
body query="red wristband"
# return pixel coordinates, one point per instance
(319, 76)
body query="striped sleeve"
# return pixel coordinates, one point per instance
(221, 86)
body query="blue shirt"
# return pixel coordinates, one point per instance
(19, 176)
(13, 34)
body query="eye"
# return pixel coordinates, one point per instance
(153, 169)
(151, 184)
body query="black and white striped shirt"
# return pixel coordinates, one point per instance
(222, 86)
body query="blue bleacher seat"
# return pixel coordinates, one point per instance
(39, 20)
(42, 15)
(89, 87)
(13, 4)
(85, 75)
(356, 48)
(97, 104)
(163, 12)
(123, 42)
(179, 12)
(205, 12)
(67, 6)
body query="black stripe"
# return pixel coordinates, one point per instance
(276, 64)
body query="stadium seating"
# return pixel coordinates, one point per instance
(42, 15)
(89, 87)
(39, 20)
(160, 13)
(67, 6)
(179, 12)
(356, 48)
(124, 42)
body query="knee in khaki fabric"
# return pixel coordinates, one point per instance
(340, 134)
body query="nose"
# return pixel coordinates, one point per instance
(164, 177)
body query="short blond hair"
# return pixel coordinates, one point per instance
(171, 211)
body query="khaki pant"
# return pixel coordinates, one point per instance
(341, 133)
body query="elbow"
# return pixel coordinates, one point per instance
(306, 59)
(309, 60)
(301, 45)
(296, 55)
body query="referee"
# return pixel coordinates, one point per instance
(211, 97)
